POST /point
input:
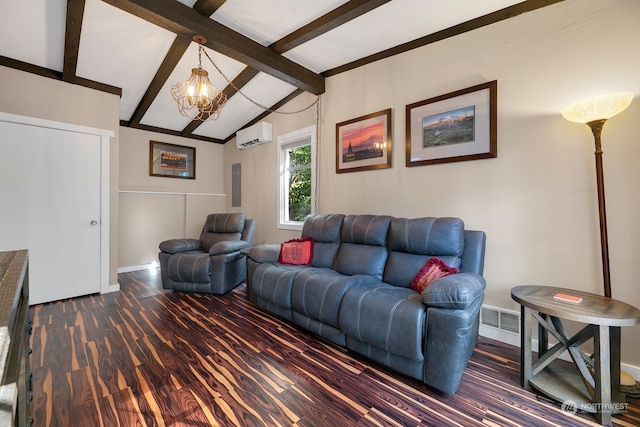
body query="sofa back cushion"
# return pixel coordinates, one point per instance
(221, 227)
(363, 249)
(412, 242)
(324, 230)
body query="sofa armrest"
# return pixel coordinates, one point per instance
(175, 246)
(451, 335)
(264, 253)
(228, 246)
(456, 291)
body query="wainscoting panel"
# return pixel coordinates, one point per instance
(147, 218)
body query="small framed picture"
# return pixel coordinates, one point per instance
(171, 160)
(454, 127)
(364, 143)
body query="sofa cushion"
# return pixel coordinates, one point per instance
(325, 230)
(413, 241)
(434, 269)
(427, 236)
(387, 317)
(353, 259)
(317, 293)
(363, 249)
(220, 227)
(273, 282)
(296, 251)
(457, 291)
(370, 230)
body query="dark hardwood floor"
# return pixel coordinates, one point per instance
(147, 357)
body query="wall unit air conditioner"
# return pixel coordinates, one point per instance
(260, 133)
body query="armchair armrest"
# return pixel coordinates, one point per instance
(264, 253)
(457, 291)
(228, 246)
(175, 246)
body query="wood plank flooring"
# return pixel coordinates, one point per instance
(147, 357)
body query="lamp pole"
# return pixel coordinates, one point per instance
(595, 112)
(596, 127)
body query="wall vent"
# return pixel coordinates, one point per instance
(500, 319)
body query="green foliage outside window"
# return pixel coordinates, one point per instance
(299, 183)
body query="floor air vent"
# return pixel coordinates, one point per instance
(500, 319)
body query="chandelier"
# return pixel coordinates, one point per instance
(197, 98)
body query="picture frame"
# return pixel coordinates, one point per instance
(171, 160)
(364, 143)
(454, 127)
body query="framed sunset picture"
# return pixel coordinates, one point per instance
(364, 143)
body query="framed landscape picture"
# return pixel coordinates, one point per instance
(171, 160)
(364, 143)
(454, 127)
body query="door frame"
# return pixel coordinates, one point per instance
(105, 143)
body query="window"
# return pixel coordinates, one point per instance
(297, 160)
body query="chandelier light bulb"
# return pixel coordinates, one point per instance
(196, 97)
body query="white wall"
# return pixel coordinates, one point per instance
(153, 209)
(537, 200)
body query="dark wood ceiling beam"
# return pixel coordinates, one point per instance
(30, 68)
(344, 13)
(491, 18)
(169, 132)
(185, 21)
(57, 75)
(208, 7)
(175, 53)
(325, 23)
(73, 29)
(171, 59)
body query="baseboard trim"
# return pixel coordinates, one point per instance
(131, 268)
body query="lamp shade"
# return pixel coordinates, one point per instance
(598, 108)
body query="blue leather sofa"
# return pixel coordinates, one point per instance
(356, 292)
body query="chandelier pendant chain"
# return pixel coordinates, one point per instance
(257, 104)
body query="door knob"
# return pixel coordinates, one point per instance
(94, 222)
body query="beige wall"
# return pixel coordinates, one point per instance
(537, 200)
(153, 209)
(34, 96)
(259, 166)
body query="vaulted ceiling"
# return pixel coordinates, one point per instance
(267, 51)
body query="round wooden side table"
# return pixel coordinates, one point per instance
(591, 383)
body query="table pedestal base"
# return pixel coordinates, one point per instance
(562, 382)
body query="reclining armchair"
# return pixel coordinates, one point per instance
(212, 264)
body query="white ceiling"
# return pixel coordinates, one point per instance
(121, 50)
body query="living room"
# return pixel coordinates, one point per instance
(536, 200)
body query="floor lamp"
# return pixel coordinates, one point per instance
(595, 112)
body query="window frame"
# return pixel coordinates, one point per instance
(287, 141)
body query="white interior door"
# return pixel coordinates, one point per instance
(50, 191)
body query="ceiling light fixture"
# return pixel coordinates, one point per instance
(594, 112)
(197, 98)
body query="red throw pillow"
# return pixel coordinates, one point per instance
(296, 251)
(434, 269)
